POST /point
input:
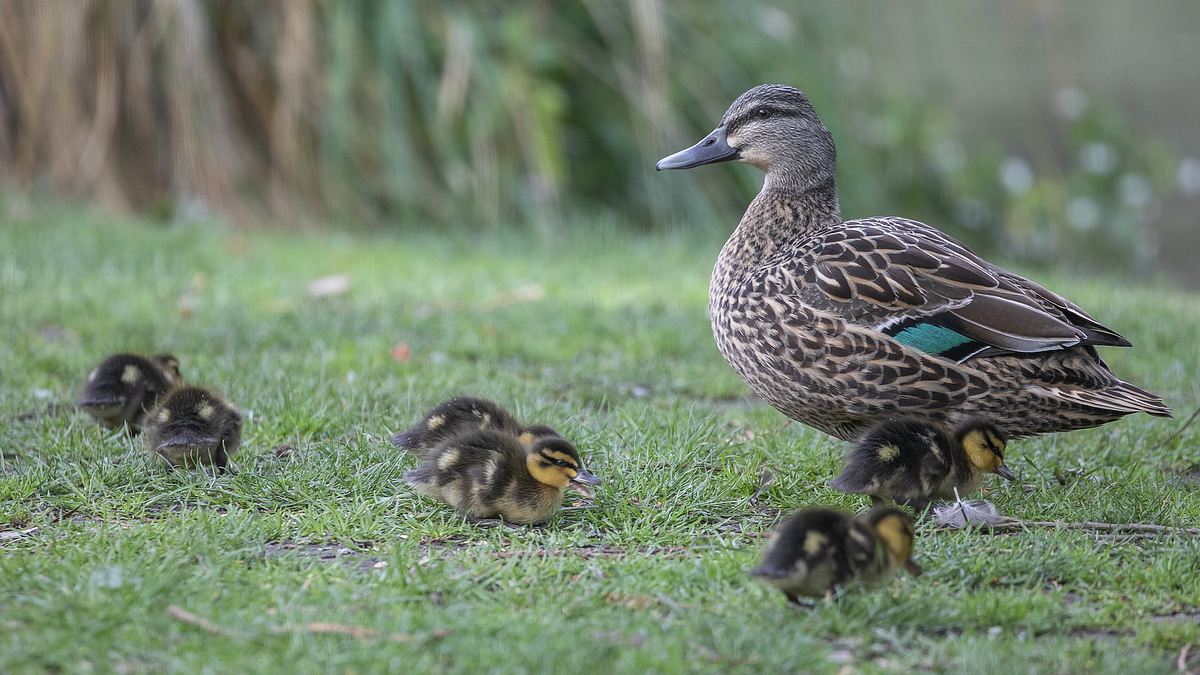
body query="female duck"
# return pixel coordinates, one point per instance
(839, 324)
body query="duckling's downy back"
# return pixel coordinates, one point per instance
(123, 387)
(463, 415)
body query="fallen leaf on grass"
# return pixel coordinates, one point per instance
(629, 600)
(358, 632)
(6, 536)
(402, 353)
(523, 294)
(199, 621)
(329, 286)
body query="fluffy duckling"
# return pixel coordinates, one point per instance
(816, 551)
(123, 387)
(191, 427)
(489, 473)
(462, 415)
(914, 461)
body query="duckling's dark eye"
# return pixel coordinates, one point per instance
(764, 113)
(560, 462)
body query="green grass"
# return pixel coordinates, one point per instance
(617, 354)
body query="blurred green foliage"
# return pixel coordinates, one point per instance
(476, 115)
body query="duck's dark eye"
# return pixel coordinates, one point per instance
(764, 113)
(560, 462)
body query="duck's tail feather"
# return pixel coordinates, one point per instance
(1121, 397)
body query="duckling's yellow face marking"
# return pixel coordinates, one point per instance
(435, 422)
(555, 462)
(131, 374)
(888, 452)
(526, 439)
(985, 450)
(897, 534)
(553, 467)
(206, 411)
(447, 459)
(814, 542)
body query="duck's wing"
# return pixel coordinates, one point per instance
(928, 291)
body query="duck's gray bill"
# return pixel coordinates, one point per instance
(712, 149)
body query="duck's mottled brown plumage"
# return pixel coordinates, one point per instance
(816, 551)
(839, 324)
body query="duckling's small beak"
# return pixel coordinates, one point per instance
(1003, 471)
(187, 440)
(713, 148)
(581, 481)
(912, 567)
(582, 476)
(101, 401)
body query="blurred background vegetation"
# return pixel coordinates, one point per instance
(1041, 130)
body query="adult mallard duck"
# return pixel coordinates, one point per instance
(840, 324)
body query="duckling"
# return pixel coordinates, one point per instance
(192, 426)
(489, 473)
(913, 461)
(462, 415)
(123, 387)
(842, 324)
(816, 551)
